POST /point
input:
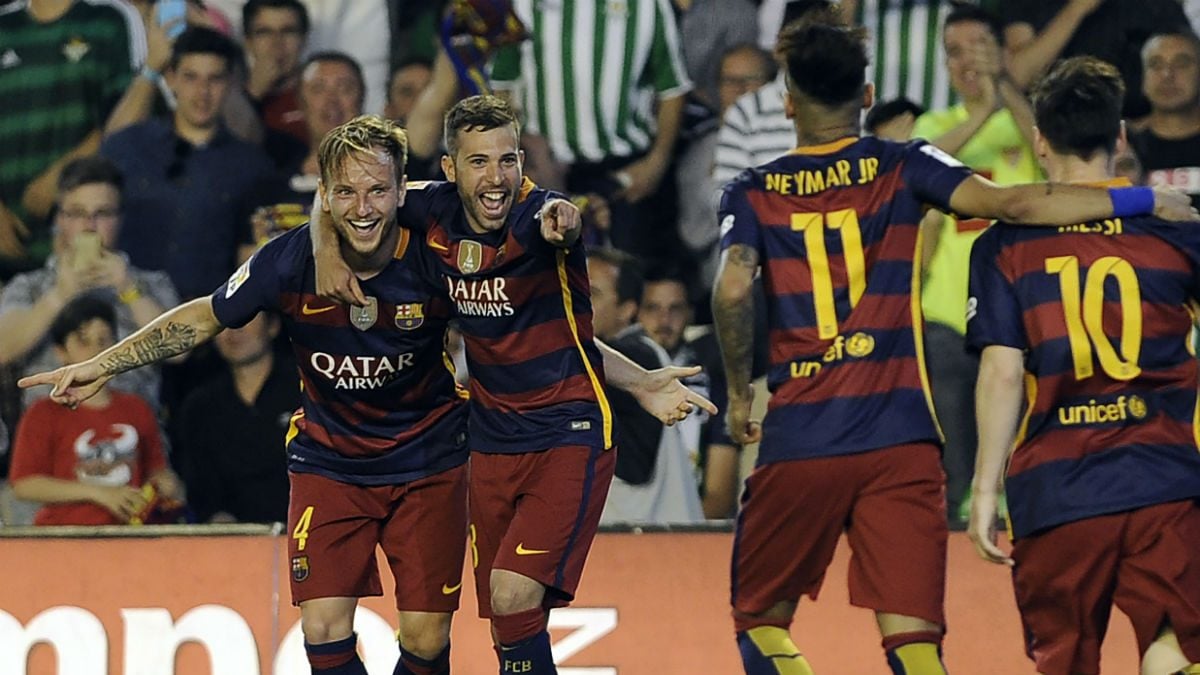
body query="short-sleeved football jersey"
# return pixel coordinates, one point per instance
(836, 230)
(524, 308)
(379, 403)
(1102, 311)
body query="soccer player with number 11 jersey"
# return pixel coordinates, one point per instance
(849, 442)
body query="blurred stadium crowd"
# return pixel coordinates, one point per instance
(146, 148)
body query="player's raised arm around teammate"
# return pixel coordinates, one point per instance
(1062, 204)
(173, 332)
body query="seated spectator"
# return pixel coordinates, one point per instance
(689, 471)
(63, 67)
(1168, 146)
(407, 82)
(91, 465)
(1039, 32)
(708, 28)
(148, 94)
(360, 28)
(331, 93)
(742, 69)
(87, 221)
(756, 129)
(187, 178)
(275, 32)
(893, 120)
(229, 437)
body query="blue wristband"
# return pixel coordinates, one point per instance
(1131, 201)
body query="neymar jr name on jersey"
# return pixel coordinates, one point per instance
(811, 181)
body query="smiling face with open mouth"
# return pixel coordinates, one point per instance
(487, 170)
(362, 198)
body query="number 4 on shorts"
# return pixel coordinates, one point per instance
(300, 534)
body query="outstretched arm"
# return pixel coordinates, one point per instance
(659, 391)
(174, 332)
(733, 314)
(1060, 204)
(997, 413)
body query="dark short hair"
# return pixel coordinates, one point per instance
(408, 63)
(477, 113)
(1180, 32)
(251, 9)
(825, 59)
(885, 112)
(798, 9)
(629, 272)
(79, 311)
(89, 170)
(963, 12)
(1077, 106)
(333, 56)
(362, 134)
(200, 40)
(668, 273)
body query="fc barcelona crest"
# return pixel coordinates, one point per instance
(300, 568)
(410, 316)
(470, 256)
(364, 317)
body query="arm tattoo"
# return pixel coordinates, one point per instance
(155, 345)
(744, 256)
(735, 324)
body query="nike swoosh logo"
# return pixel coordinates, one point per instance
(433, 244)
(521, 550)
(308, 311)
(447, 589)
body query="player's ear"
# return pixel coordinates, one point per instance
(322, 196)
(402, 189)
(448, 167)
(1122, 141)
(868, 95)
(1040, 146)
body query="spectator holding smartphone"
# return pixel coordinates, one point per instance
(85, 262)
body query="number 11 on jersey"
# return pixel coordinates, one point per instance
(813, 225)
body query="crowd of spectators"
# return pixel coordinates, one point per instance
(142, 162)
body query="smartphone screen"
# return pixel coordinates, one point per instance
(167, 11)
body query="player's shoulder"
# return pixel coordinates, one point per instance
(997, 236)
(291, 247)
(430, 190)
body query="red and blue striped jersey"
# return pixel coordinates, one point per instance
(836, 230)
(378, 400)
(1102, 311)
(524, 308)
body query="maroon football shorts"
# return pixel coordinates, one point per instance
(334, 528)
(1067, 578)
(536, 514)
(891, 503)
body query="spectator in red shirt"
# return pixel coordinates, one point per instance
(90, 465)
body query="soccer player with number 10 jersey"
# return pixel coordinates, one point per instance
(849, 443)
(1088, 327)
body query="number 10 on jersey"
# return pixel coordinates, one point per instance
(813, 225)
